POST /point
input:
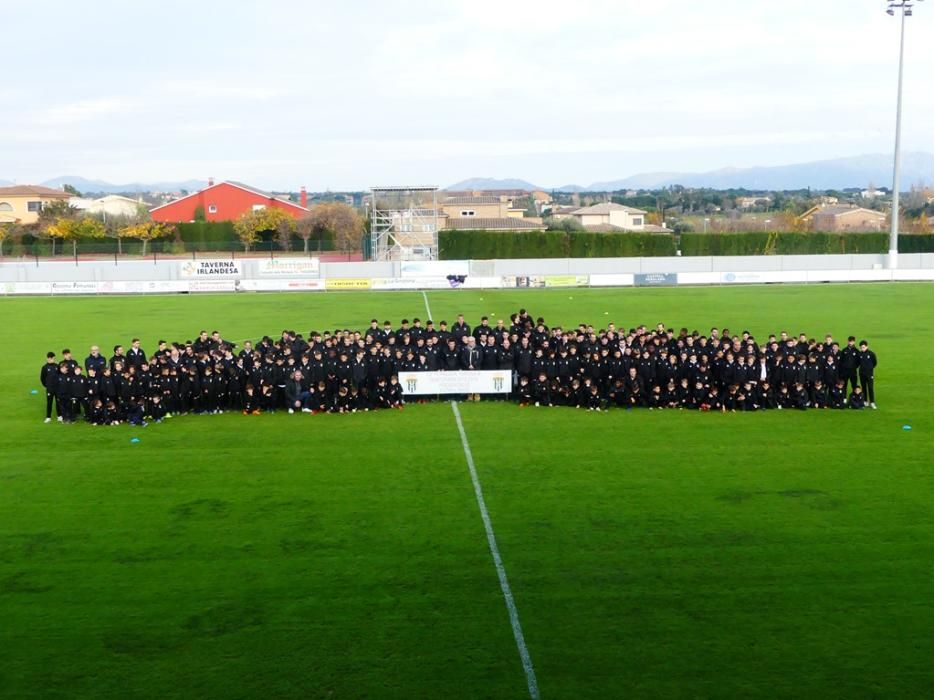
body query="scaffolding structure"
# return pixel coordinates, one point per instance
(404, 223)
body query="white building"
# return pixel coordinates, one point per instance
(111, 205)
(611, 216)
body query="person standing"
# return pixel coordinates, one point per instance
(849, 361)
(471, 360)
(95, 361)
(49, 378)
(867, 367)
(136, 356)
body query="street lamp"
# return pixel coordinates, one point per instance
(906, 8)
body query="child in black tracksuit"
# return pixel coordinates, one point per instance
(857, 400)
(836, 397)
(48, 376)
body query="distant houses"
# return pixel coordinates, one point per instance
(224, 201)
(609, 217)
(839, 219)
(22, 204)
(487, 212)
(113, 205)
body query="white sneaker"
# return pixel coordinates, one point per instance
(306, 410)
(291, 411)
(59, 419)
(873, 404)
(47, 420)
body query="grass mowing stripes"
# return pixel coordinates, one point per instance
(650, 554)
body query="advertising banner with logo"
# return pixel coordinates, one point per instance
(411, 283)
(656, 279)
(209, 269)
(566, 280)
(289, 267)
(212, 286)
(74, 287)
(434, 268)
(142, 287)
(337, 284)
(764, 277)
(281, 285)
(26, 287)
(463, 382)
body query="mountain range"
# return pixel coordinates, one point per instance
(85, 185)
(839, 173)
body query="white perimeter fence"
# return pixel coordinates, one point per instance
(308, 274)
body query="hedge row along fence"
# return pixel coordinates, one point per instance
(488, 245)
(791, 243)
(485, 245)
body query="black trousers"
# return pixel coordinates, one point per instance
(849, 380)
(65, 407)
(868, 383)
(49, 398)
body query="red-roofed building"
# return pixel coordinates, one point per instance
(225, 201)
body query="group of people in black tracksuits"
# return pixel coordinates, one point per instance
(348, 371)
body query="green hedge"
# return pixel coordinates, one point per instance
(760, 243)
(207, 235)
(486, 245)
(916, 243)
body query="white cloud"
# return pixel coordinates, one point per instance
(84, 111)
(359, 92)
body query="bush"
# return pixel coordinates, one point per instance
(208, 235)
(784, 243)
(485, 245)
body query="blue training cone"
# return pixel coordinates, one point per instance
(134, 439)
(906, 427)
(34, 392)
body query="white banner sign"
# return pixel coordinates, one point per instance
(74, 287)
(209, 269)
(463, 382)
(434, 268)
(621, 279)
(139, 287)
(411, 283)
(26, 287)
(289, 267)
(207, 285)
(281, 285)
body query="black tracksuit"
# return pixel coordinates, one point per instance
(48, 376)
(867, 366)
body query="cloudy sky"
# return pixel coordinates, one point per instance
(347, 95)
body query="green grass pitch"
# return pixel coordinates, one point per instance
(651, 554)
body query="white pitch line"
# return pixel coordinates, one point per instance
(498, 561)
(427, 308)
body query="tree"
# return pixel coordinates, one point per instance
(567, 225)
(284, 230)
(73, 229)
(251, 224)
(72, 190)
(5, 230)
(340, 220)
(145, 231)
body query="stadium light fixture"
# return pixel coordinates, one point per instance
(906, 9)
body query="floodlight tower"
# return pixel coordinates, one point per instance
(905, 6)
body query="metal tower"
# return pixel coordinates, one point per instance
(404, 223)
